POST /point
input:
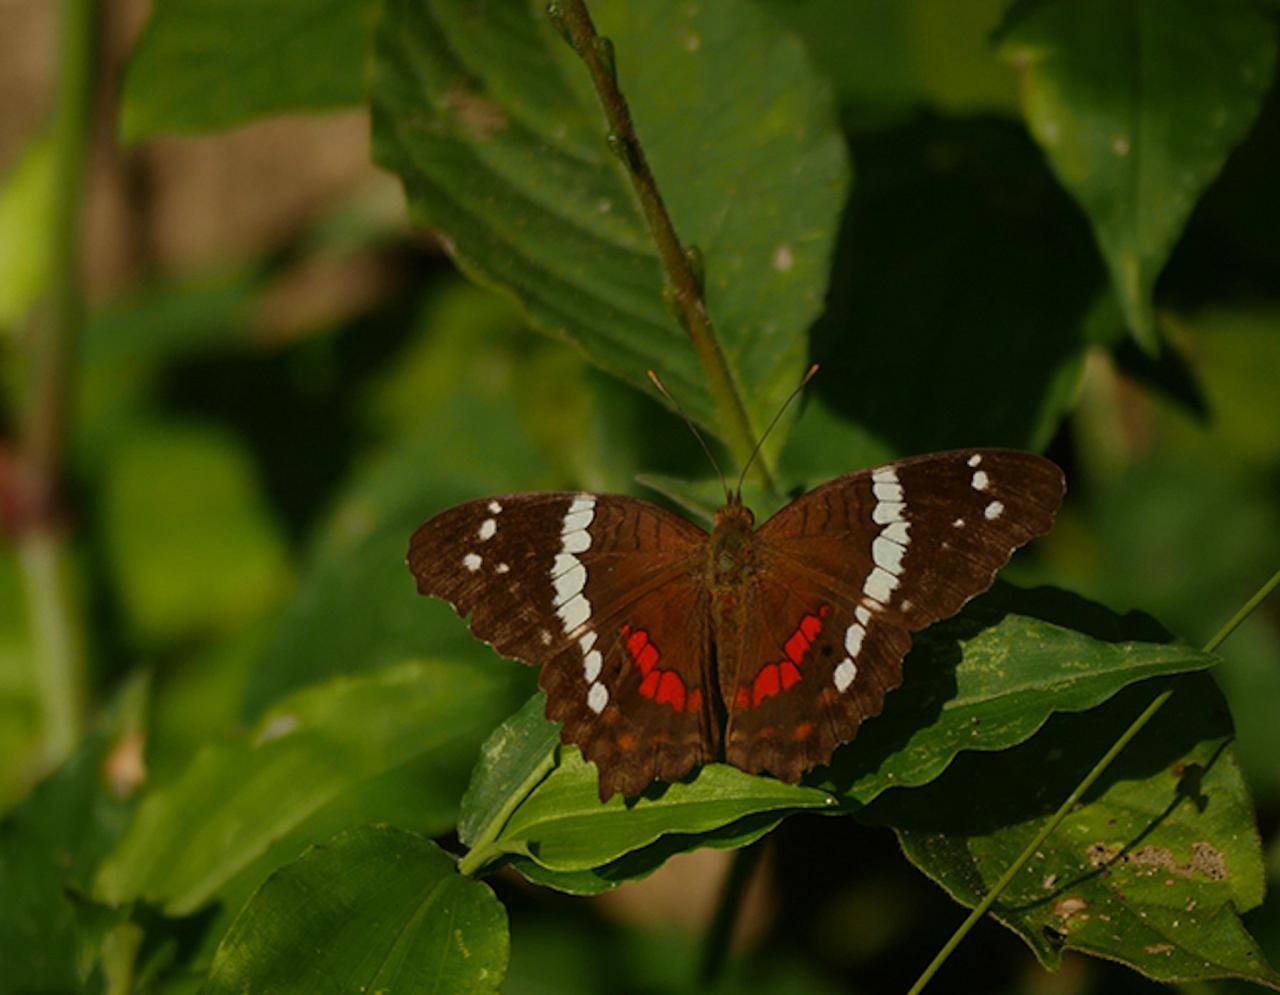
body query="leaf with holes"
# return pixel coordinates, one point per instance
(1137, 106)
(374, 909)
(491, 122)
(1152, 869)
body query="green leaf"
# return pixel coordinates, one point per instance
(515, 753)
(491, 122)
(990, 677)
(563, 825)
(199, 66)
(393, 745)
(373, 910)
(1151, 869)
(49, 848)
(192, 544)
(26, 200)
(20, 711)
(1138, 104)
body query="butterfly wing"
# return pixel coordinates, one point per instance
(867, 558)
(606, 593)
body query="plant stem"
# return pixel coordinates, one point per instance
(1064, 810)
(58, 658)
(483, 851)
(715, 948)
(685, 285)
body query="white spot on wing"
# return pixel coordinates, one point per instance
(994, 510)
(576, 521)
(887, 511)
(472, 562)
(897, 532)
(570, 583)
(887, 492)
(844, 675)
(980, 480)
(853, 639)
(591, 664)
(597, 697)
(879, 585)
(862, 615)
(958, 523)
(887, 554)
(488, 529)
(574, 612)
(975, 459)
(587, 641)
(576, 542)
(545, 636)
(501, 568)
(885, 475)
(495, 507)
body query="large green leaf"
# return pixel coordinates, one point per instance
(1137, 104)
(393, 745)
(200, 66)
(373, 910)
(990, 677)
(1152, 869)
(492, 124)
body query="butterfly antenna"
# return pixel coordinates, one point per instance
(813, 370)
(692, 428)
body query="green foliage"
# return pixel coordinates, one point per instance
(240, 504)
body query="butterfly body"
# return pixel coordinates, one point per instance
(663, 647)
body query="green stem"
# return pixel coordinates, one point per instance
(483, 850)
(1064, 810)
(685, 284)
(54, 624)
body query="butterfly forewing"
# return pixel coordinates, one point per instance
(602, 590)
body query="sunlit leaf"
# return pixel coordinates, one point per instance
(1137, 105)
(374, 909)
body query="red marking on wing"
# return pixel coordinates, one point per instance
(649, 686)
(694, 701)
(742, 700)
(671, 690)
(783, 675)
(789, 673)
(766, 684)
(664, 687)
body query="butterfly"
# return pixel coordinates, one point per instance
(663, 646)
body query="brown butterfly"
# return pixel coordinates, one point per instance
(663, 646)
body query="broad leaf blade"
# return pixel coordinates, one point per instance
(1137, 105)
(1152, 869)
(395, 744)
(375, 909)
(201, 66)
(491, 123)
(990, 677)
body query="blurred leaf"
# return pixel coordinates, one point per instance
(1152, 869)
(990, 677)
(888, 57)
(26, 200)
(564, 826)
(49, 848)
(315, 764)
(491, 122)
(513, 754)
(21, 721)
(1137, 106)
(192, 544)
(200, 67)
(374, 909)
(959, 293)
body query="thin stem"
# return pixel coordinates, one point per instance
(46, 412)
(1064, 810)
(715, 949)
(685, 285)
(484, 851)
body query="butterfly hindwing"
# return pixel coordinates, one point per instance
(571, 581)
